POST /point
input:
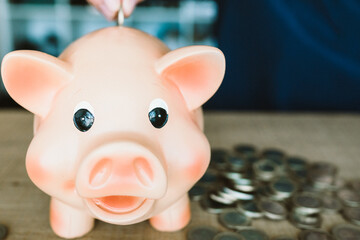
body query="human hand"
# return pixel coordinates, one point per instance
(110, 8)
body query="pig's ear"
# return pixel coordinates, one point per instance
(33, 78)
(197, 71)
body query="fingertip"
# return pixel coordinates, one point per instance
(128, 7)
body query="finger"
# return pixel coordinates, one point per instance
(129, 6)
(108, 8)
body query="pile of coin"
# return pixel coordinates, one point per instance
(245, 184)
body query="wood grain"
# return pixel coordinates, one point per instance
(329, 137)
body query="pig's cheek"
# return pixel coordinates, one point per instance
(37, 173)
(197, 159)
(197, 167)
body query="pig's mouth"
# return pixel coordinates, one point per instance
(119, 204)
(120, 209)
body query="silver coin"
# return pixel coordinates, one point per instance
(247, 150)
(212, 206)
(221, 197)
(349, 197)
(237, 163)
(314, 235)
(238, 194)
(228, 236)
(307, 203)
(352, 214)
(304, 221)
(236, 176)
(273, 153)
(253, 234)
(322, 174)
(250, 209)
(265, 169)
(323, 168)
(345, 232)
(337, 184)
(265, 192)
(210, 178)
(282, 188)
(202, 233)
(299, 175)
(283, 238)
(196, 192)
(272, 210)
(244, 184)
(296, 163)
(233, 219)
(219, 159)
(3, 231)
(331, 204)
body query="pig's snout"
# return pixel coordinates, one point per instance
(121, 178)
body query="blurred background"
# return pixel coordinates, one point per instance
(281, 55)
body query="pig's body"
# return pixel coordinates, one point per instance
(123, 169)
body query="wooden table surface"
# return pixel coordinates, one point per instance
(330, 137)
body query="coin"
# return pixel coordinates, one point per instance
(210, 177)
(219, 159)
(305, 221)
(233, 219)
(323, 168)
(228, 236)
(296, 163)
(212, 206)
(265, 169)
(282, 188)
(300, 175)
(221, 197)
(314, 235)
(250, 209)
(253, 234)
(352, 214)
(331, 204)
(196, 192)
(272, 210)
(245, 150)
(273, 153)
(307, 203)
(238, 194)
(322, 174)
(3, 231)
(202, 233)
(345, 232)
(237, 163)
(283, 238)
(244, 184)
(349, 197)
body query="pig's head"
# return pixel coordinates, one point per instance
(116, 130)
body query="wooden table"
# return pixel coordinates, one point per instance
(330, 137)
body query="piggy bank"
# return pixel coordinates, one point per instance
(118, 128)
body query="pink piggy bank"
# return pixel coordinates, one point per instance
(118, 127)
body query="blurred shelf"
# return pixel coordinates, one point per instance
(49, 26)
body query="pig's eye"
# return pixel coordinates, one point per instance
(83, 116)
(158, 113)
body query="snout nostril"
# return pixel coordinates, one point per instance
(144, 171)
(101, 172)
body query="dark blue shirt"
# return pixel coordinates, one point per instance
(289, 55)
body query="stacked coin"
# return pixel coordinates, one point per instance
(246, 184)
(305, 210)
